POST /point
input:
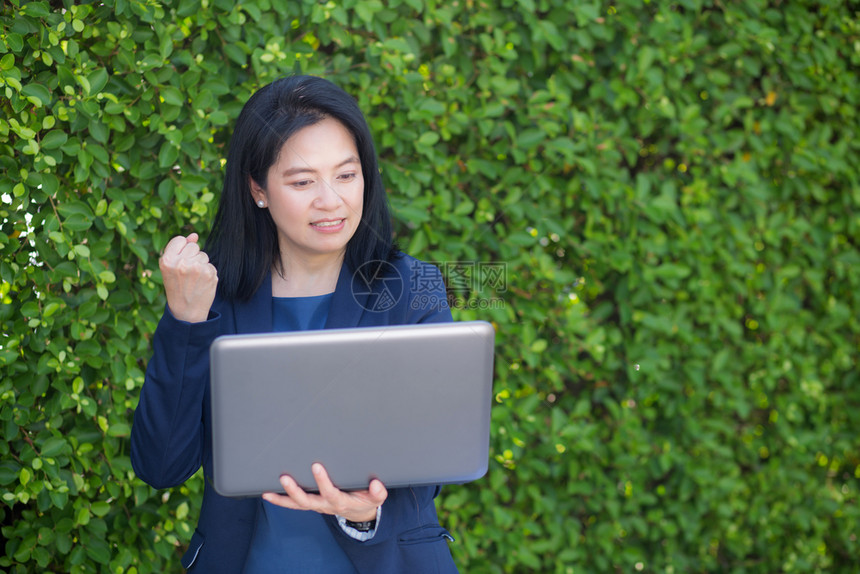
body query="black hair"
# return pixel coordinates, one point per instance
(243, 242)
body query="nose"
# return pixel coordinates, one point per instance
(327, 197)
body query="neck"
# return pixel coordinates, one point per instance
(306, 277)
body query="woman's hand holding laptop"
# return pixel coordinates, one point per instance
(356, 506)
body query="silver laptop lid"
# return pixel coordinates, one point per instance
(407, 404)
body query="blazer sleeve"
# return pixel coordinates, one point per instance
(167, 434)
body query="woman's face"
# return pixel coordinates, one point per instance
(315, 191)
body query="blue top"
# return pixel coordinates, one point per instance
(300, 313)
(292, 541)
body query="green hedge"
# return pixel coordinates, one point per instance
(672, 189)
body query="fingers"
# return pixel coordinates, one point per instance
(378, 492)
(349, 503)
(357, 506)
(326, 487)
(183, 257)
(174, 246)
(190, 280)
(288, 500)
(181, 246)
(295, 498)
(298, 496)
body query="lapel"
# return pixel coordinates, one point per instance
(346, 308)
(255, 316)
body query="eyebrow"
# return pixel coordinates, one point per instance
(307, 169)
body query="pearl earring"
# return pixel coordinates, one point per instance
(261, 203)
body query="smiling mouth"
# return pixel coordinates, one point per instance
(334, 223)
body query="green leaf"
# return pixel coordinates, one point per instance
(172, 96)
(100, 508)
(367, 9)
(15, 42)
(9, 472)
(672, 271)
(98, 79)
(539, 346)
(100, 133)
(428, 138)
(7, 62)
(50, 183)
(50, 309)
(37, 94)
(107, 276)
(35, 9)
(433, 107)
(54, 139)
(78, 222)
(551, 34)
(54, 446)
(167, 155)
(98, 550)
(75, 208)
(398, 45)
(236, 54)
(119, 429)
(530, 138)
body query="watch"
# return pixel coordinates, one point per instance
(366, 526)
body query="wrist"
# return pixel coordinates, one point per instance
(363, 525)
(361, 531)
(364, 517)
(189, 316)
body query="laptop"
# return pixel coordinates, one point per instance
(407, 404)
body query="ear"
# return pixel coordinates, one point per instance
(257, 192)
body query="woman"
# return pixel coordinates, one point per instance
(302, 216)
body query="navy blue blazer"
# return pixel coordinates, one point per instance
(171, 436)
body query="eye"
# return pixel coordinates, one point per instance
(347, 176)
(302, 183)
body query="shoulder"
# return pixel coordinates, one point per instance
(399, 290)
(411, 277)
(399, 273)
(424, 291)
(411, 269)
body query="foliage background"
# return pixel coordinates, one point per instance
(672, 186)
